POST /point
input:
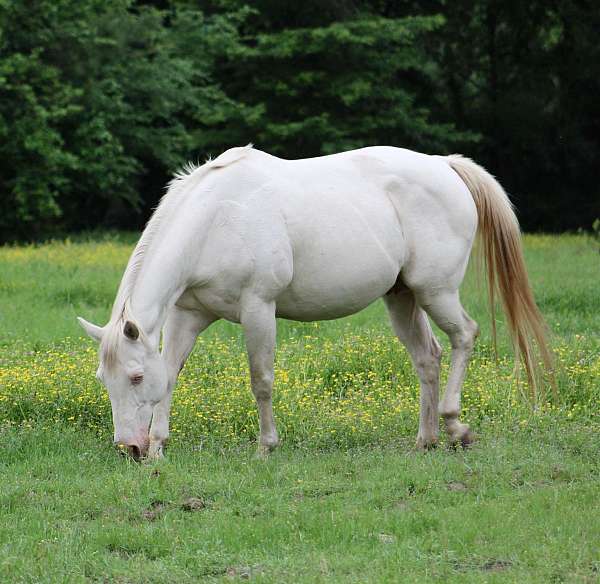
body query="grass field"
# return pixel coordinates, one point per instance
(345, 499)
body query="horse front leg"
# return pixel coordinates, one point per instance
(258, 322)
(179, 335)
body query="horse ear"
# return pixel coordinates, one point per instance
(131, 331)
(94, 331)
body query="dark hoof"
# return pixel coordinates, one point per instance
(467, 439)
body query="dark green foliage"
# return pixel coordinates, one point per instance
(96, 98)
(343, 86)
(101, 100)
(525, 75)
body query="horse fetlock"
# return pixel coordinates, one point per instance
(460, 434)
(453, 426)
(449, 414)
(266, 445)
(269, 440)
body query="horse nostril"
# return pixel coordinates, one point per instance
(134, 452)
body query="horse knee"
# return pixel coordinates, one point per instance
(262, 386)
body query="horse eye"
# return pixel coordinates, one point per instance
(136, 379)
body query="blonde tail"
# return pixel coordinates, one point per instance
(506, 273)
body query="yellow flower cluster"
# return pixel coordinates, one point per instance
(67, 254)
(357, 389)
(354, 388)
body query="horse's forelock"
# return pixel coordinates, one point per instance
(110, 345)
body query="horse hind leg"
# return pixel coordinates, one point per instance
(445, 309)
(412, 328)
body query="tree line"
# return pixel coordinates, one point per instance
(101, 100)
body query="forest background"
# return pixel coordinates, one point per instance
(101, 100)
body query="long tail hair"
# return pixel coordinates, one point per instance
(506, 273)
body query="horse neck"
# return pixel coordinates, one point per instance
(161, 281)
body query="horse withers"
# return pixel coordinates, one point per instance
(249, 237)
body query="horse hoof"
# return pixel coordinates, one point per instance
(465, 440)
(265, 449)
(426, 444)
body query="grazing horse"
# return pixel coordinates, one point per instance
(249, 237)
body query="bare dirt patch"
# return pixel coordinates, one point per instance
(154, 510)
(194, 504)
(457, 486)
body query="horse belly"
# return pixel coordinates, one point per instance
(337, 275)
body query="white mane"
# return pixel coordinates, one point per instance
(182, 183)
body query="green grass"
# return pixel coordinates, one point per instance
(517, 508)
(345, 499)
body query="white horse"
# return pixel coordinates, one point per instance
(249, 237)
